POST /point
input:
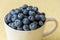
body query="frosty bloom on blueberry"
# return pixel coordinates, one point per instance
(32, 26)
(31, 18)
(25, 18)
(20, 15)
(26, 27)
(26, 21)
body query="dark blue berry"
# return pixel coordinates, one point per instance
(26, 21)
(32, 26)
(18, 22)
(31, 18)
(35, 22)
(14, 11)
(19, 28)
(14, 17)
(26, 28)
(25, 16)
(5, 19)
(8, 18)
(40, 23)
(25, 12)
(42, 17)
(42, 13)
(12, 25)
(32, 13)
(35, 8)
(38, 13)
(24, 6)
(29, 8)
(37, 17)
(20, 15)
(20, 11)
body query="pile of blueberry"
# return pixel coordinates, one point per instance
(25, 18)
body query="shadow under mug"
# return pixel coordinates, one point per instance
(37, 34)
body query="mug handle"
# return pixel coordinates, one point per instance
(51, 29)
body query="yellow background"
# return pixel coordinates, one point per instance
(50, 7)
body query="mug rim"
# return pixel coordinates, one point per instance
(21, 30)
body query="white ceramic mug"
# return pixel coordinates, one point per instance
(37, 34)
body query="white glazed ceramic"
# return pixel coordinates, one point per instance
(37, 34)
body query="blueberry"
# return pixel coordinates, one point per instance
(38, 13)
(12, 25)
(26, 21)
(9, 24)
(5, 19)
(42, 17)
(32, 13)
(32, 26)
(31, 18)
(18, 22)
(26, 28)
(25, 12)
(14, 17)
(20, 15)
(35, 22)
(19, 28)
(29, 8)
(40, 23)
(8, 18)
(25, 16)
(14, 11)
(37, 17)
(24, 6)
(42, 13)
(35, 8)
(20, 10)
